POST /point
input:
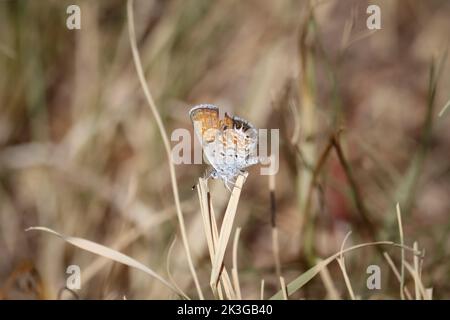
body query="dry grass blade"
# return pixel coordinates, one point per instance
(273, 214)
(355, 189)
(332, 292)
(402, 268)
(125, 240)
(237, 287)
(283, 288)
(305, 277)
(227, 285)
(212, 238)
(417, 270)
(341, 263)
(417, 280)
(447, 105)
(429, 292)
(295, 115)
(202, 189)
(262, 290)
(308, 118)
(348, 27)
(107, 253)
(396, 273)
(162, 130)
(276, 251)
(226, 228)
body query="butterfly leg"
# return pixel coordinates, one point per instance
(226, 182)
(231, 183)
(210, 173)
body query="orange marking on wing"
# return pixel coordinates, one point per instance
(226, 123)
(209, 123)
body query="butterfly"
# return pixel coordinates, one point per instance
(229, 144)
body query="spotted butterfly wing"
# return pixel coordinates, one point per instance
(229, 144)
(205, 119)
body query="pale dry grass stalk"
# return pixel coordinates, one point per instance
(296, 132)
(273, 214)
(234, 271)
(348, 27)
(308, 121)
(305, 277)
(212, 239)
(153, 108)
(417, 282)
(396, 273)
(217, 241)
(276, 251)
(306, 90)
(108, 253)
(402, 268)
(341, 263)
(262, 290)
(225, 229)
(283, 288)
(332, 292)
(421, 292)
(417, 270)
(125, 240)
(429, 292)
(447, 105)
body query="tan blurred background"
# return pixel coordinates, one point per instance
(80, 151)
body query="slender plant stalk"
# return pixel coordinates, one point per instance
(417, 269)
(273, 216)
(212, 240)
(262, 290)
(447, 105)
(309, 232)
(225, 229)
(396, 273)
(417, 281)
(332, 292)
(358, 198)
(152, 105)
(305, 277)
(108, 253)
(341, 262)
(237, 286)
(283, 288)
(402, 268)
(308, 116)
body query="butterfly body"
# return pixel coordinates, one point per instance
(229, 144)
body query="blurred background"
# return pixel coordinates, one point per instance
(80, 151)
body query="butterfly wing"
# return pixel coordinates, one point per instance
(205, 119)
(246, 141)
